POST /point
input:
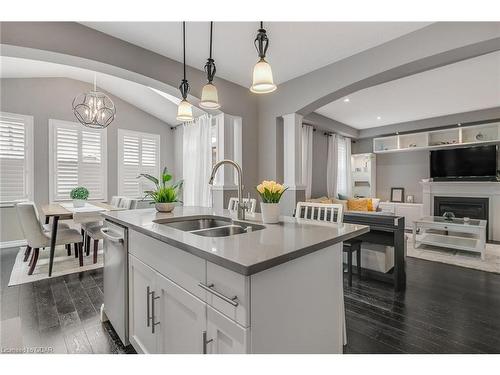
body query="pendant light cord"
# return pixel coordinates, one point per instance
(184, 45)
(211, 30)
(261, 24)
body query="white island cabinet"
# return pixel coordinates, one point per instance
(182, 303)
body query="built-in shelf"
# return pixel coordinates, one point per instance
(436, 139)
(363, 175)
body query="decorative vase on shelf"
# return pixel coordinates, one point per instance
(270, 212)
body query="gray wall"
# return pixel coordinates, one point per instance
(50, 98)
(320, 149)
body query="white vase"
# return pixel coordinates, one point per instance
(78, 203)
(270, 212)
(165, 207)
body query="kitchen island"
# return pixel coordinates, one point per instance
(201, 281)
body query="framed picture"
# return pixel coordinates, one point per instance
(397, 194)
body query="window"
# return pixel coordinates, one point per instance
(137, 153)
(16, 157)
(77, 158)
(344, 166)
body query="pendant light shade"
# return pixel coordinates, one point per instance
(262, 78)
(263, 82)
(94, 109)
(184, 109)
(209, 95)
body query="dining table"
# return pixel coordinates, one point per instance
(57, 212)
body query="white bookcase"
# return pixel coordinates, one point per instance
(435, 139)
(364, 175)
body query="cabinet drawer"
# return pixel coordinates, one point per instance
(223, 286)
(387, 207)
(179, 266)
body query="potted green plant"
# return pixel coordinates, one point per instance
(165, 197)
(270, 193)
(79, 195)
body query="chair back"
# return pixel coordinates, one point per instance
(128, 203)
(30, 226)
(115, 200)
(333, 213)
(87, 217)
(250, 202)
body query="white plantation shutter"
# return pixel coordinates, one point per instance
(16, 153)
(137, 153)
(78, 158)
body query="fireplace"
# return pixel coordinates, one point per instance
(474, 208)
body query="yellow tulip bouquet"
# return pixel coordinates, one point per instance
(271, 191)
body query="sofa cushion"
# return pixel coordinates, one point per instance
(362, 204)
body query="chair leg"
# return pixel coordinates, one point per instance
(75, 246)
(349, 266)
(80, 253)
(96, 246)
(87, 245)
(358, 261)
(68, 249)
(27, 253)
(33, 261)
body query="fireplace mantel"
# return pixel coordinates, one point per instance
(479, 189)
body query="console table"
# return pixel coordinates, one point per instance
(454, 234)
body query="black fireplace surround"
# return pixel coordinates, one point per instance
(474, 208)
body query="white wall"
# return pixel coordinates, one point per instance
(46, 98)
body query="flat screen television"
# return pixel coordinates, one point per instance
(471, 163)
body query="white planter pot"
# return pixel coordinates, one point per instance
(79, 202)
(270, 213)
(165, 207)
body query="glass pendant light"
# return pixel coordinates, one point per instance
(209, 95)
(262, 74)
(94, 109)
(184, 110)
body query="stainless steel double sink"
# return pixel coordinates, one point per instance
(210, 226)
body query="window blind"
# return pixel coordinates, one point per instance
(137, 153)
(16, 150)
(78, 159)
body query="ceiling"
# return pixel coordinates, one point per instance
(295, 48)
(161, 104)
(461, 87)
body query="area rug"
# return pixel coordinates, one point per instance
(491, 263)
(63, 265)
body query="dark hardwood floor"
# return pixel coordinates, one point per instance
(445, 309)
(58, 315)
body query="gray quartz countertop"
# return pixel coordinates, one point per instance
(245, 253)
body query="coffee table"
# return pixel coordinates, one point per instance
(456, 233)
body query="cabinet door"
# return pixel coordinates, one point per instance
(181, 317)
(141, 281)
(225, 336)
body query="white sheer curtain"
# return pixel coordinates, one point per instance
(307, 145)
(344, 166)
(332, 166)
(197, 162)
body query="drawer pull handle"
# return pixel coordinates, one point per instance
(210, 288)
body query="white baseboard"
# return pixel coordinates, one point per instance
(16, 243)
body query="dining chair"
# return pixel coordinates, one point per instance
(251, 203)
(115, 200)
(127, 203)
(38, 239)
(87, 220)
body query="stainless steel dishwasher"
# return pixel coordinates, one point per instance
(115, 278)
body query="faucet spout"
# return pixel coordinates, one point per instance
(241, 206)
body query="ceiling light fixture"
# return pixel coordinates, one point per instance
(184, 110)
(379, 118)
(209, 95)
(347, 100)
(262, 73)
(94, 109)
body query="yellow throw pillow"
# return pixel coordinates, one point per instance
(357, 204)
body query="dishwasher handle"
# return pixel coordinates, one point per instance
(105, 231)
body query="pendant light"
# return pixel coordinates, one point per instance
(209, 95)
(94, 109)
(262, 74)
(184, 110)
